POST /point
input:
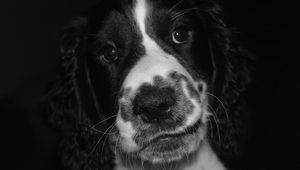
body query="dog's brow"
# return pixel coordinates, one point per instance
(174, 6)
(183, 12)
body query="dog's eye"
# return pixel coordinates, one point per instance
(110, 54)
(180, 36)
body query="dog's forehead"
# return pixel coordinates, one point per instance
(129, 14)
(141, 28)
(155, 60)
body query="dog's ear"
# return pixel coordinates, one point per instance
(72, 106)
(64, 105)
(73, 99)
(231, 75)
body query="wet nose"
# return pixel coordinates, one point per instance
(154, 104)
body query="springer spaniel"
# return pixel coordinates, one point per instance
(150, 84)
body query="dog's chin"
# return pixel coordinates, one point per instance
(165, 150)
(170, 149)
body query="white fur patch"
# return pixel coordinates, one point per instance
(195, 116)
(155, 62)
(126, 132)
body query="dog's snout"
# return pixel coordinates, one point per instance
(154, 104)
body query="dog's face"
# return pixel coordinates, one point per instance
(151, 60)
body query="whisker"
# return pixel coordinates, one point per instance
(115, 151)
(94, 129)
(129, 160)
(183, 12)
(112, 127)
(217, 124)
(102, 132)
(103, 121)
(210, 124)
(94, 148)
(174, 6)
(222, 104)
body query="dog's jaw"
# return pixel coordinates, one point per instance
(205, 159)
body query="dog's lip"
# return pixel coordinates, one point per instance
(169, 136)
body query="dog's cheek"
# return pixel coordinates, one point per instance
(198, 99)
(126, 132)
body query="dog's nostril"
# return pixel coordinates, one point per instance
(154, 104)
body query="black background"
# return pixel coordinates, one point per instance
(28, 59)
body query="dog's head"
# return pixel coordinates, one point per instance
(152, 67)
(152, 53)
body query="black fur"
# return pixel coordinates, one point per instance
(74, 106)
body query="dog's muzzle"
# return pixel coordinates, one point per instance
(160, 115)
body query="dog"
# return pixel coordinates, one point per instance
(149, 84)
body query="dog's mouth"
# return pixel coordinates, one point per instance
(169, 137)
(169, 147)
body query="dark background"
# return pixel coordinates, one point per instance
(28, 59)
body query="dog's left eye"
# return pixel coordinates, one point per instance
(181, 35)
(110, 54)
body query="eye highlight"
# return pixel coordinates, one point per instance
(181, 35)
(110, 54)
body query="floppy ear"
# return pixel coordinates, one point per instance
(65, 105)
(231, 75)
(73, 108)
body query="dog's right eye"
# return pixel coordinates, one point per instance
(110, 54)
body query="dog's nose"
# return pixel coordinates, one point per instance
(154, 104)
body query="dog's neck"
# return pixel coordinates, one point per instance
(204, 159)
